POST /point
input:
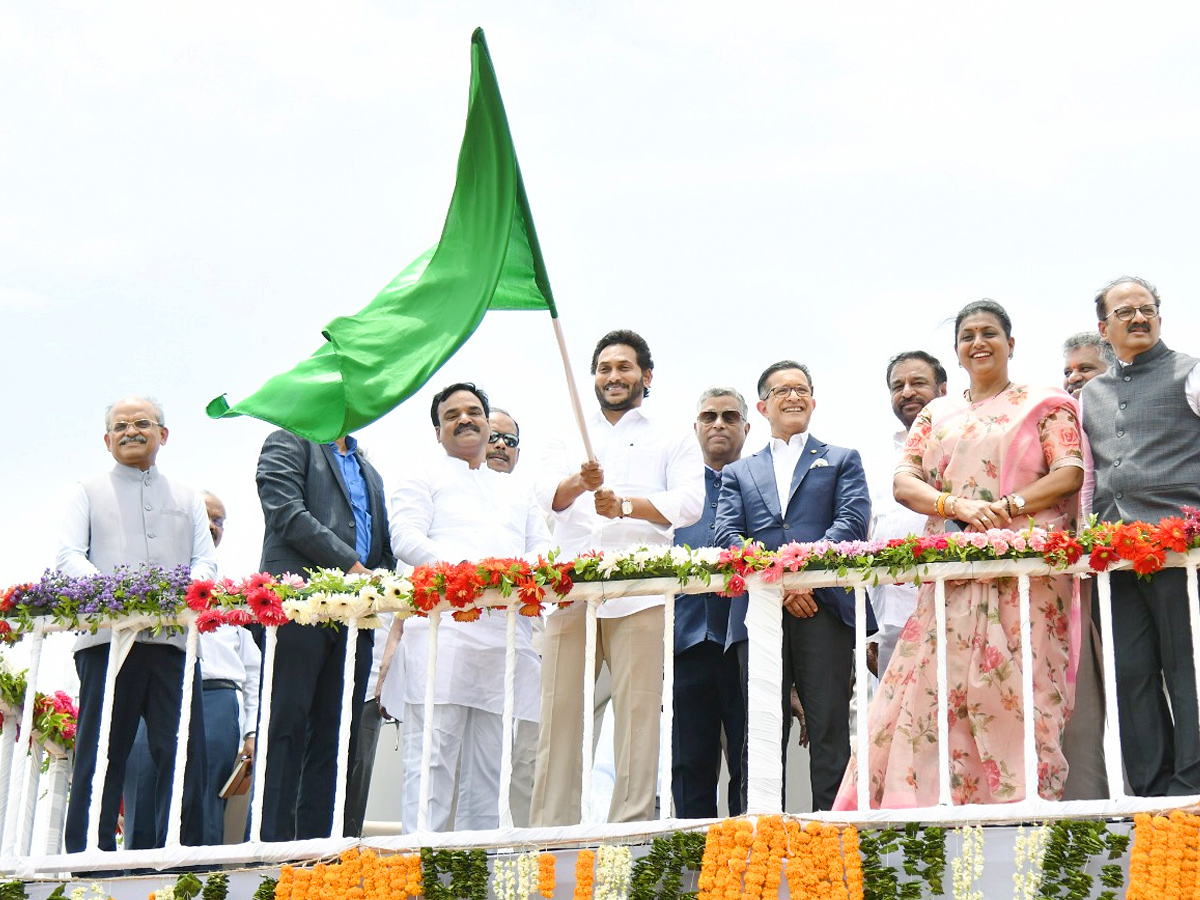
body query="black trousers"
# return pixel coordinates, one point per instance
(150, 687)
(818, 657)
(708, 698)
(306, 704)
(1152, 645)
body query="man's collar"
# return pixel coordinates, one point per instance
(633, 414)
(1158, 350)
(351, 446)
(458, 462)
(795, 441)
(133, 473)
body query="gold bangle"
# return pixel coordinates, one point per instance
(950, 504)
(941, 503)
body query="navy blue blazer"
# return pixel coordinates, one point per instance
(829, 502)
(702, 617)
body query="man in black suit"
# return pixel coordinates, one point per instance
(800, 489)
(323, 507)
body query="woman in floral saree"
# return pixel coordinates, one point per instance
(998, 457)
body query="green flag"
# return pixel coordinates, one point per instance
(487, 258)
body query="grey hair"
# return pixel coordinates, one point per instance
(1102, 294)
(1091, 339)
(505, 412)
(158, 410)
(724, 392)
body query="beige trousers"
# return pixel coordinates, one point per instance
(633, 648)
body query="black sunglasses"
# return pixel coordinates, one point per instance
(510, 440)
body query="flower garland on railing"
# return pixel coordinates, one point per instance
(330, 596)
(968, 865)
(55, 716)
(1164, 859)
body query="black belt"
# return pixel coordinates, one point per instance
(220, 684)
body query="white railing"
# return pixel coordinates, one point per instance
(19, 782)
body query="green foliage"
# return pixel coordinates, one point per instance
(266, 889)
(14, 890)
(216, 887)
(468, 871)
(187, 886)
(659, 874)
(1070, 846)
(924, 862)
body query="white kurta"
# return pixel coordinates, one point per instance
(453, 513)
(639, 460)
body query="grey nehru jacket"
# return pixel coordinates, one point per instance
(135, 518)
(1145, 439)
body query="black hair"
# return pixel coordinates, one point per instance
(939, 371)
(782, 365)
(441, 396)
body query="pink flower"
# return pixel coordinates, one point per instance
(978, 540)
(68, 730)
(992, 771)
(1018, 543)
(291, 580)
(999, 544)
(735, 586)
(992, 659)
(1037, 540)
(773, 572)
(912, 630)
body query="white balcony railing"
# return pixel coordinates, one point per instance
(19, 784)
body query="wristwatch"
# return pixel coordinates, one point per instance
(1017, 501)
(626, 507)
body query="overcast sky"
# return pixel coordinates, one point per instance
(188, 194)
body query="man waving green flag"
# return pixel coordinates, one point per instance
(487, 258)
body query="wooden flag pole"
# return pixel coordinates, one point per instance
(575, 405)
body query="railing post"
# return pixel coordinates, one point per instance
(507, 725)
(175, 815)
(13, 816)
(262, 745)
(29, 805)
(590, 631)
(341, 767)
(666, 726)
(427, 736)
(60, 770)
(1112, 725)
(1029, 710)
(943, 699)
(8, 741)
(862, 675)
(764, 625)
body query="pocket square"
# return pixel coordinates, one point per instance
(820, 463)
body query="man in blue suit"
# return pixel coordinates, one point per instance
(709, 691)
(799, 488)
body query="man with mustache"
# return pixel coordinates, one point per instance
(913, 378)
(323, 507)
(135, 516)
(461, 509)
(644, 483)
(1142, 419)
(504, 443)
(1085, 355)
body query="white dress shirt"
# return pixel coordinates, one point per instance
(639, 460)
(785, 455)
(453, 513)
(230, 653)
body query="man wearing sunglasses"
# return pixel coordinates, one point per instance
(1142, 419)
(134, 516)
(708, 682)
(504, 443)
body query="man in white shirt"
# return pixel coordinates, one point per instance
(462, 510)
(914, 378)
(134, 516)
(642, 485)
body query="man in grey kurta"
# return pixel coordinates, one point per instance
(131, 516)
(1142, 419)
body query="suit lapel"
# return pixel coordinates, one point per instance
(762, 470)
(813, 450)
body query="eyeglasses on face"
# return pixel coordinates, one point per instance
(1126, 313)
(728, 416)
(510, 440)
(786, 390)
(139, 424)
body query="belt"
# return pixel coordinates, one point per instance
(220, 684)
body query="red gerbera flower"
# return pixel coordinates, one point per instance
(1172, 534)
(467, 615)
(1127, 541)
(1102, 557)
(209, 620)
(1149, 560)
(199, 595)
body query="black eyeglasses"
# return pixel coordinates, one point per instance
(728, 416)
(1126, 313)
(510, 440)
(139, 424)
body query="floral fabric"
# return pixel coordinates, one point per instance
(979, 451)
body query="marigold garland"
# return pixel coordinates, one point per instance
(854, 869)
(1163, 864)
(546, 875)
(584, 874)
